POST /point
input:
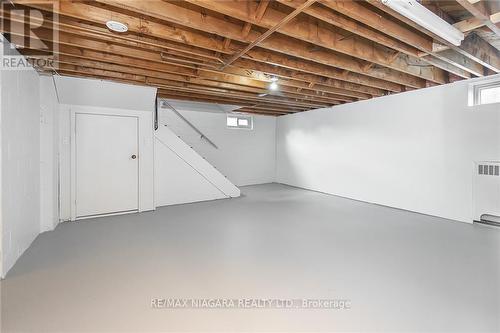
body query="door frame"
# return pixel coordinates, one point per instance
(145, 153)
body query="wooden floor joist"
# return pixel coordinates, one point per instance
(320, 52)
(268, 33)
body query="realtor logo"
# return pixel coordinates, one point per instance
(31, 29)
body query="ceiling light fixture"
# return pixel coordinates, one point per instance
(273, 86)
(416, 12)
(117, 26)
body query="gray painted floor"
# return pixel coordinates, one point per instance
(401, 271)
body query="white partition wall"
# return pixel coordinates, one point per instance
(170, 171)
(106, 94)
(183, 176)
(20, 161)
(246, 157)
(414, 150)
(49, 154)
(104, 98)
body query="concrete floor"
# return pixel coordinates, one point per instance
(402, 272)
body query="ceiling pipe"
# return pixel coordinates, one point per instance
(413, 10)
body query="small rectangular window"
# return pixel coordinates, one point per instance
(484, 93)
(243, 122)
(488, 95)
(239, 121)
(232, 121)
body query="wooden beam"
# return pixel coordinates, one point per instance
(495, 18)
(356, 11)
(246, 30)
(448, 45)
(480, 11)
(274, 58)
(313, 69)
(331, 39)
(469, 24)
(466, 49)
(226, 44)
(393, 14)
(480, 51)
(223, 81)
(337, 87)
(292, 70)
(464, 63)
(268, 33)
(77, 26)
(191, 18)
(261, 9)
(252, 111)
(95, 54)
(341, 21)
(137, 25)
(361, 13)
(265, 108)
(95, 15)
(200, 97)
(447, 67)
(95, 58)
(163, 93)
(163, 70)
(194, 88)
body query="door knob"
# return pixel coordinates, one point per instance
(134, 157)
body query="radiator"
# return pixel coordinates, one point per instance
(486, 195)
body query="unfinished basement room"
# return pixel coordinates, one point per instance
(249, 166)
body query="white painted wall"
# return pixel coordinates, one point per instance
(245, 157)
(183, 176)
(2, 271)
(49, 154)
(413, 150)
(177, 182)
(20, 162)
(105, 97)
(100, 95)
(105, 94)
(165, 179)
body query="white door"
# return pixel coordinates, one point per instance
(106, 164)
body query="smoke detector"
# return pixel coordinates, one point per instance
(117, 26)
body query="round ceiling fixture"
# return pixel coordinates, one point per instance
(273, 86)
(116, 26)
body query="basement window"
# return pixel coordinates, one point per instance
(484, 93)
(239, 121)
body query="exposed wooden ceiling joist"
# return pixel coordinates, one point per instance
(88, 13)
(268, 33)
(191, 18)
(460, 49)
(480, 11)
(322, 53)
(398, 68)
